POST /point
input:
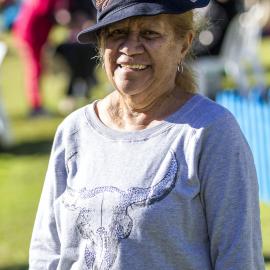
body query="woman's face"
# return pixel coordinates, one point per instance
(141, 55)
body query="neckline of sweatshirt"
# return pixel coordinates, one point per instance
(143, 134)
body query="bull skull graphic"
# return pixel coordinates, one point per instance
(114, 223)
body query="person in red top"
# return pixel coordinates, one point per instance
(32, 28)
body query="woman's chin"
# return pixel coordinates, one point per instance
(131, 89)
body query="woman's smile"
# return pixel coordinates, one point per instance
(133, 67)
(126, 66)
(125, 70)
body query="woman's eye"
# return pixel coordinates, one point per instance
(117, 33)
(150, 34)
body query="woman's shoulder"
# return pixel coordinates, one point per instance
(205, 113)
(75, 121)
(215, 123)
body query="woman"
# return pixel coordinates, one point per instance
(152, 176)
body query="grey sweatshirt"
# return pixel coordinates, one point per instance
(180, 195)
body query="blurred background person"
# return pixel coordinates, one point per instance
(228, 47)
(266, 14)
(8, 12)
(219, 15)
(80, 58)
(32, 28)
(5, 134)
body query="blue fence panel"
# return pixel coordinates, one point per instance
(253, 115)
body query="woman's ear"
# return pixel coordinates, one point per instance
(187, 42)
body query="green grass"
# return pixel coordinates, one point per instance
(265, 219)
(23, 166)
(19, 193)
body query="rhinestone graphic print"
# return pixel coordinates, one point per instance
(104, 213)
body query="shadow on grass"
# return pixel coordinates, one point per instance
(266, 258)
(29, 148)
(15, 267)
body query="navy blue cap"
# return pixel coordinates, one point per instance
(112, 11)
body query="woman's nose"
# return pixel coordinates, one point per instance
(132, 44)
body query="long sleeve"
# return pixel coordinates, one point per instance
(229, 192)
(45, 243)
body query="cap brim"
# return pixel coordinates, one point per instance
(89, 35)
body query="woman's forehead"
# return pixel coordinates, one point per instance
(157, 21)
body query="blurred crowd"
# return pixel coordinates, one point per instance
(228, 44)
(219, 15)
(31, 22)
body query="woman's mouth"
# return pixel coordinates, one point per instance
(134, 66)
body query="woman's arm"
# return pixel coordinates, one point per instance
(229, 191)
(45, 242)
